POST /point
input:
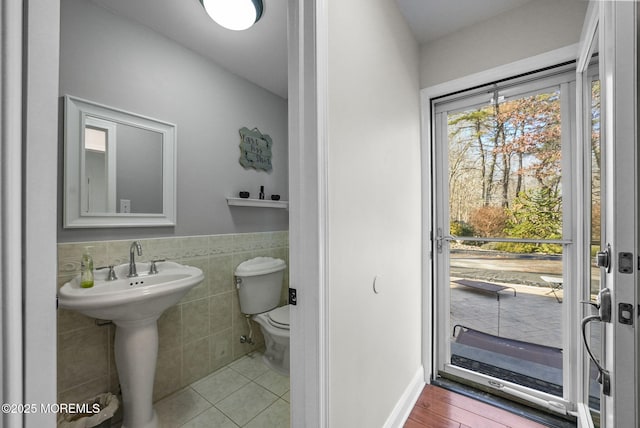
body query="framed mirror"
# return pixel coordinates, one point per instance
(119, 168)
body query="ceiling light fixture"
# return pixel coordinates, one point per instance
(234, 14)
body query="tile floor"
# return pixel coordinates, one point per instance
(246, 393)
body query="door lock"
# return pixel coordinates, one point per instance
(603, 258)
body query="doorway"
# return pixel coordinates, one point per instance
(613, 27)
(34, 57)
(504, 237)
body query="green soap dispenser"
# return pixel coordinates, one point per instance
(86, 269)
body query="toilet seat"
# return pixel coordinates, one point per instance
(279, 317)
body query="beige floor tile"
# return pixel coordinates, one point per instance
(250, 365)
(274, 382)
(212, 418)
(220, 385)
(180, 407)
(246, 403)
(229, 399)
(275, 416)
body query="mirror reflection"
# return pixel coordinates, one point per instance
(123, 168)
(117, 164)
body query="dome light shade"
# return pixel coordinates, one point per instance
(234, 14)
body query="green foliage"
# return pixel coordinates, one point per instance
(535, 214)
(495, 152)
(460, 228)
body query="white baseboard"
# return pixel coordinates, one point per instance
(407, 400)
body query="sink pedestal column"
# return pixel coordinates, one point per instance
(136, 351)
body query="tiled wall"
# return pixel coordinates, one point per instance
(196, 337)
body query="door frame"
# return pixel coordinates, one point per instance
(29, 53)
(308, 211)
(11, 205)
(619, 108)
(548, 59)
(582, 239)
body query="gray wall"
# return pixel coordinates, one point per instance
(111, 60)
(139, 169)
(537, 27)
(375, 223)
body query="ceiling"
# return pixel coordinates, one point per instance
(260, 53)
(432, 19)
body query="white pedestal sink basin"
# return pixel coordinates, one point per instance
(134, 305)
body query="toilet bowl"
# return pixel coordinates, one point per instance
(275, 329)
(259, 282)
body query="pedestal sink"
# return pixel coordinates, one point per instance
(134, 305)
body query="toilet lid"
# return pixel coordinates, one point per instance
(279, 317)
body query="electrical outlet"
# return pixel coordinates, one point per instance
(125, 205)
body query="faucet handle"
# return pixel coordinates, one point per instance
(111, 275)
(153, 269)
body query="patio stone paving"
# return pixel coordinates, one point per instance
(532, 316)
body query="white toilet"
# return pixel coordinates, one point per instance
(259, 283)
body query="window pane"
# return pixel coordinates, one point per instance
(504, 169)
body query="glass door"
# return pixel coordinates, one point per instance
(503, 238)
(607, 123)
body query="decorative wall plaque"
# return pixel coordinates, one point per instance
(255, 149)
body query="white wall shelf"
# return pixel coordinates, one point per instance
(260, 203)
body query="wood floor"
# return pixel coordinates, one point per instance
(440, 408)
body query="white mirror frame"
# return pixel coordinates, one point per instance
(76, 112)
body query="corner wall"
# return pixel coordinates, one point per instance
(374, 211)
(537, 27)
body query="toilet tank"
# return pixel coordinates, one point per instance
(259, 283)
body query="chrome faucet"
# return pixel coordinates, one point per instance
(135, 245)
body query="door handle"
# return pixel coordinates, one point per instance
(440, 239)
(603, 305)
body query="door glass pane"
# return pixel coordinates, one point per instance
(504, 169)
(596, 236)
(506, 315)
(506, 294)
